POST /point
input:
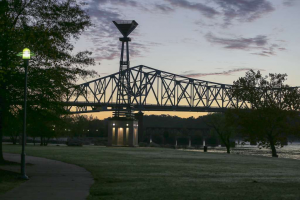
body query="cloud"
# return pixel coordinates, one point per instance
(131, 3)
(207, 11)
(110, 51)
(244, 10)
(238, 43)
(240, 10)
(289, 2)
(282, 49)
(163, 7)
(259, 43)
(223, 73)
(103, 34)
(106, 53)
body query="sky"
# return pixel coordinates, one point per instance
(212, 40)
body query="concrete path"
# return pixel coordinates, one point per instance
(49, 179)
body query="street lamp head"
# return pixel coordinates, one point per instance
(26, 54)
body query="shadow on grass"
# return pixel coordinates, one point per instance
(9, 163)
(8, 180)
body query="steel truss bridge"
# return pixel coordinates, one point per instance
(153, 90)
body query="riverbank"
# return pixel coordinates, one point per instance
(291, 151)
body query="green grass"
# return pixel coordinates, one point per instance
(155, 173)
(8, 180)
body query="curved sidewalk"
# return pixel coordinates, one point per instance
(49, 179)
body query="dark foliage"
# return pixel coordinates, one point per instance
(274, 109)
(47, 28)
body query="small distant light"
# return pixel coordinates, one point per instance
(126, 124)
(69, 130)
(65, 129)
(137, 125)
(53, 129)
(83, 129)
(88, 130)
(114, 124)
(97, 130)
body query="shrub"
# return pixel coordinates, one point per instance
(152, 144)
(143, 144)
(74, 142)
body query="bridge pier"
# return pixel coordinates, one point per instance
(122, 132)
(140, 117)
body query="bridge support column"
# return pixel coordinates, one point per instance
(122, 132)
(140, 117)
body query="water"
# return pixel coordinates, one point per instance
(292, 151)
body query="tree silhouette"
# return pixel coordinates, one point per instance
(273, 106)
(47, 28)
(217, 123)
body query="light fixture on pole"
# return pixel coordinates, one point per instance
(124, 94)
(26, 57)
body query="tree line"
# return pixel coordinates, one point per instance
(66, 126)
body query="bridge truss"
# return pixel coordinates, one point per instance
(153, 90)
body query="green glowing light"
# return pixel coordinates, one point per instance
(26, 53)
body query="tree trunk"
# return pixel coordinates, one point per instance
(274, 153)
(272, 144)
(3, 100)
(1, 153)
(2, 107)
(226, 142)
(14, 141)
(228, 145)
(2, 111)
(228, 148)
(47, 141)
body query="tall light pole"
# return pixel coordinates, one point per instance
(26, 57)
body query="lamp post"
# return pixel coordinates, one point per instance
(26, 57)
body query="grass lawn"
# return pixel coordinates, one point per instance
(8, 180)
(155, 173)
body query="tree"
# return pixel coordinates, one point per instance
(217, 123)
(13, 125)
(273, 106)
(80, 125)
(47, 28)
(40, 124)
(188, 134)
(177, 134)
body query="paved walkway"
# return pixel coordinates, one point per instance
(49, 179)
